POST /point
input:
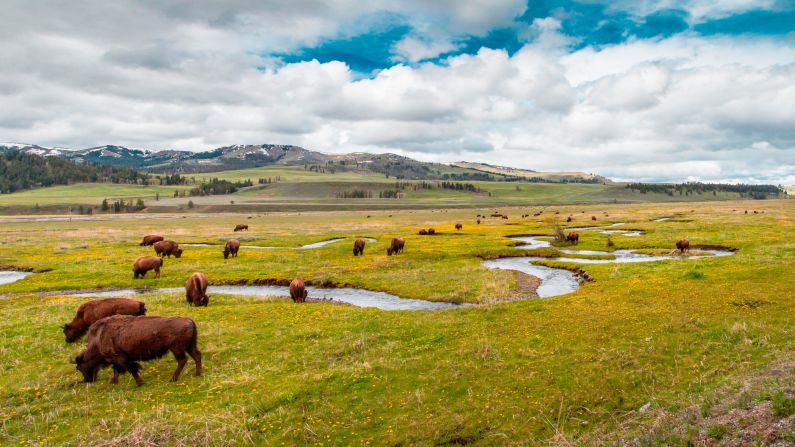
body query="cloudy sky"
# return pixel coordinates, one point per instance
(631, 89)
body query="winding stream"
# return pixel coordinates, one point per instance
(356, 297)
(264, 247)
(8, 276)
(554, 281)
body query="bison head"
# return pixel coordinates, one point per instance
(72, 333)
(88, 365)
(226, 253)
(178, 253)
(389, 251)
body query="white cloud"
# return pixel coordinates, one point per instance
(187, 78)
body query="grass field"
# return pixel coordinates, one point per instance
(648, 354)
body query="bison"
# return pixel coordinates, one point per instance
(459, 226)
(196, 289)
(568, 219)
(241, 227)
(358, 247)
(92, 311)
(298, 290)
(431, 231)
(396, 246)
(151, 239)
(121, 341)
(573, 237)
(423, 232)
(231, 248)
(146, 263)
(478, 221)
(682, 245)
(593, 217)
(168, 248)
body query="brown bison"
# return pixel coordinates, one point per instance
(358, 247)
(241, 227)
(196, 289)
(593, 217)
(146, 263)
(396, 246)
(168, 248)
(478, 221)
(573, 237)
(682, 245)
(231, 248)
(568, 219)
(151, 239)
(121, 341)
(423, 232)
(431, 231)
(459, 226)
(92, 311)
(298, 290)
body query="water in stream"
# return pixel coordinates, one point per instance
(7, 277)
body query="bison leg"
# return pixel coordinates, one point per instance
(115, 379)
(182, 359)
(157, 272)
(197, 359)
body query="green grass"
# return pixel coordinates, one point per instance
(515, 373)
(85, 193)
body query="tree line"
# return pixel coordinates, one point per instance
(752, 191)
(20, 170)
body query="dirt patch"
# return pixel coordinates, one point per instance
(526, 286)
(713, 247)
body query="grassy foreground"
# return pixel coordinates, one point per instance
(573, 369)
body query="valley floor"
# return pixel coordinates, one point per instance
(659, 353)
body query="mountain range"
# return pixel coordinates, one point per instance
(243, 156)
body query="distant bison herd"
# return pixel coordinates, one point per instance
(120, 334)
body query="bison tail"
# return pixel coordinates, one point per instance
(194, 340)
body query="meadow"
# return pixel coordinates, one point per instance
(295, 189)
(647, 354)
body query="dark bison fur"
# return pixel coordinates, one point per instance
(151, 239)
(121, 341)
(92, 311)
(573, 237)
(196, 289)
(231, 248)
(396, 246)
(298, 290)
(146, 263)
(358, 247)
(168, 248)
(241, 227)
(682, 245)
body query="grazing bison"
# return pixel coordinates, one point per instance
(121, 341)
(146, 263)
(396, 246)
(168, 248)
(241, 227)
(573, 237)
(92, 311)
(478, 221)
(298, 290)
(593, 217)
(358, 247)
(151, 239)
(431, 231)
(423, 232)
(459, 226)
(682, 245)
(568, 219)
(231, 248)
(196, 289)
